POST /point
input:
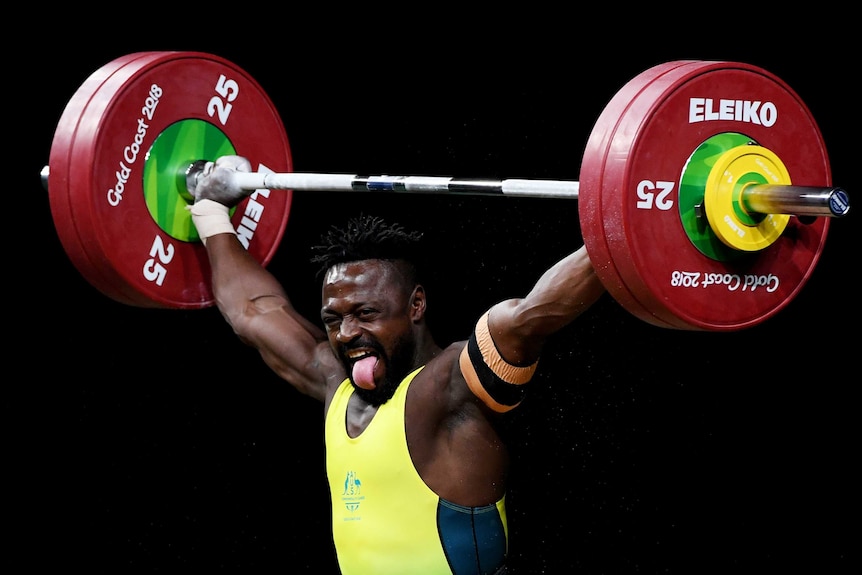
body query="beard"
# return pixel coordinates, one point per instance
(398, 365)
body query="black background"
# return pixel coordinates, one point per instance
(153, 441)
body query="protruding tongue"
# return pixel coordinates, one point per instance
(363, 372)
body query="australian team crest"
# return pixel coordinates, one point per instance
(352, 494)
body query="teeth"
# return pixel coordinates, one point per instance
(356, 354)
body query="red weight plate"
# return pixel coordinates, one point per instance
(58, 180)
(590, 196)
(121, 248)
(655, 130)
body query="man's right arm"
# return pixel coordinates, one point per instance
(252, 300)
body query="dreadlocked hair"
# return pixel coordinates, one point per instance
(367, 238)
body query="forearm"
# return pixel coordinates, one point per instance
(238, 279)
(562, 293)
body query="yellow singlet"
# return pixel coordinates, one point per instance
(385, 520)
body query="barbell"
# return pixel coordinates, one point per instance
(704, 197)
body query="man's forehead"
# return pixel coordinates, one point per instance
(361, 271)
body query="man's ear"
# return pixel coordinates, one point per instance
(418, 303)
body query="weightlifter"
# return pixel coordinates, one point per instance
(416, 468)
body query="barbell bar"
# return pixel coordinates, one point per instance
(763, 198)
(811, 201)
(704, 198)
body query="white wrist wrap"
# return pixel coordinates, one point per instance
(211, 218)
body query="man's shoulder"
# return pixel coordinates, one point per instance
(444, 366)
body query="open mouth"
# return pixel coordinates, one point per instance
(355, 355)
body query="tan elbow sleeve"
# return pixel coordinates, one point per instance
(499, 384)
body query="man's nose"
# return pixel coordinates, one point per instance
(348, 330)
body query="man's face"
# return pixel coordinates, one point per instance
(367, 314)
